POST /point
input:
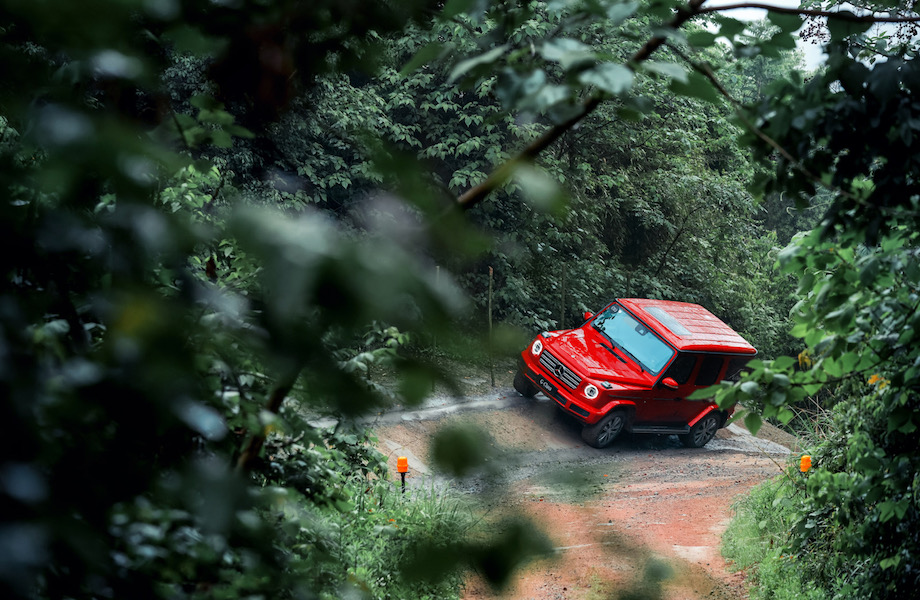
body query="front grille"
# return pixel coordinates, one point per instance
(562, 372)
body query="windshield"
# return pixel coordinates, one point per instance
(634, 338)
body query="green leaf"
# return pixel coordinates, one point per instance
(611, 78)
(696, 86)
(813, 337)
(487, 58)
(890, 509)
(841, 28)
(205, 102)
(777, 397)
(186, 122)
(425, 55)
(701, 39)
(452, 8)
(800, 330)
(618, 13)
(785, 415)
(786, 22)
(541, 190)
(782, 363)
(670, 70)
(239, 131)
(901, 419)
(813, 388)
(891, 561)
(832, 367)
(703, 394)
(729, 27)
(221, 138)
(460, 449)
(849, 361)
(869, 463)
(782, 40)
(567, 52)
(753, 422)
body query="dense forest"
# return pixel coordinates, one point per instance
(221, 216)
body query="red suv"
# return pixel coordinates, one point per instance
(631, 366)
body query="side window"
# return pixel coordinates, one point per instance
(681, 368)
(735, 366)
(709, 370)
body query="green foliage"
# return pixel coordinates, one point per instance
(154, 316)
(515, 541)
(857, 319)
(355, 534)
(858, 283)
(635, 225)
(756, 538)
(221, 215)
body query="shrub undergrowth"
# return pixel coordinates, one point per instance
(349, 529)
(756, 542)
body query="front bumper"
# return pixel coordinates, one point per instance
(553, 388)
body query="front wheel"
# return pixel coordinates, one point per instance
(523, 386)
(700, 434)
(602, 433)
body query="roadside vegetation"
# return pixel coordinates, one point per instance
(755, 543)
(220, 215)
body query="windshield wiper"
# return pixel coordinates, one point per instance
(611, 351)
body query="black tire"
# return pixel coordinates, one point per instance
(703, 431)
(602, 433)
(523, 386)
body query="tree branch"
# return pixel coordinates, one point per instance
(254, 445)
(680, 232)
(501, 174)
(873, 50)
(841, 16)
(706, 72)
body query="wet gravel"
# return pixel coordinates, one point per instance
(610, 513)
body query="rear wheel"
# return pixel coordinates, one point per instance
(602, 433)
(703, 431)
(523, 386)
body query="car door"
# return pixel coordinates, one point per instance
(709, 369)
(663, 405)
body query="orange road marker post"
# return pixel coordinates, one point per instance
(805, 463)
(402, 467)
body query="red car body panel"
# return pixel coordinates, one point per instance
(705, 350)
(693, 328)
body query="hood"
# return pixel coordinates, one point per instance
(583, 350)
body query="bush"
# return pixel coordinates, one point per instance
(756, 541)
(346, 525)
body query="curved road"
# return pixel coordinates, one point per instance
(611, 513)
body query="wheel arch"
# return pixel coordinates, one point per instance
(721, 414)
(627, 406)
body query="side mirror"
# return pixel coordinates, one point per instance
(588, 315)
(669, 382)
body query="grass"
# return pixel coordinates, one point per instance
(755, 540)
(379, 539)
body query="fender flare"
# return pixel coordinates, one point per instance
(703, 413)
(629, 404)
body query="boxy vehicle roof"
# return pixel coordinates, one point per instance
(688, 327)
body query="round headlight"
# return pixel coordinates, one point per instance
(537, 348)
(590, 391)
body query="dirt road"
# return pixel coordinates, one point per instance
(644, 509)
